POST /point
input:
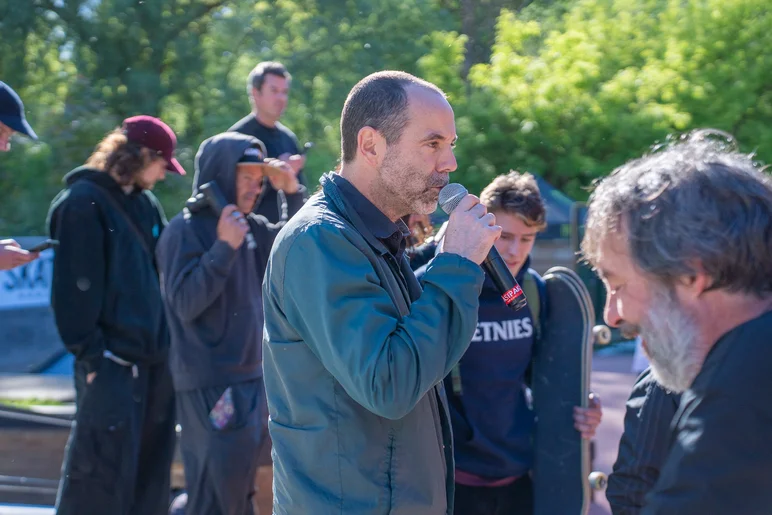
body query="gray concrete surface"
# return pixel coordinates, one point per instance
(37, 386)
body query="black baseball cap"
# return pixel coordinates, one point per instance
(252, 155)
(12, 112)
(256, 155)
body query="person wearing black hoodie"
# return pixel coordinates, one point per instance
(107, 306)
(211, 276)
(488, 393)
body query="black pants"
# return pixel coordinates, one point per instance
(513, 499)
(118, 458)
(221, 464)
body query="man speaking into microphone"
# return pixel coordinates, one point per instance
(354, 352)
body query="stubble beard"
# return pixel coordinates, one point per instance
(398, 179)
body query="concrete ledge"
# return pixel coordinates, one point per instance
(37, 386)
(15, 509)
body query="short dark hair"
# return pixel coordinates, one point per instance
(257, 75)
(695, 202)
(517, 194)
(378, 101)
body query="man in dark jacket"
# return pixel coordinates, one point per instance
(211, 273)
(107, 306)
(355, 353)
(268, 88)
(681, 239)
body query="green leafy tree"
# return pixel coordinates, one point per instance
(576, 91)
(187, 61)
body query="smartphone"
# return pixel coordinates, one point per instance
(223, 410)
(44, 245)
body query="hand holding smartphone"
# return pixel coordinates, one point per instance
(44, 245)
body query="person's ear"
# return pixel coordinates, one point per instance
(371, 146)
(692, 286)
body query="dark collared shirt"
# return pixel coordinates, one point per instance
(720, 458)
(392, 234)
(644, 445)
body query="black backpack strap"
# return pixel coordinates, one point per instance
(132, 224)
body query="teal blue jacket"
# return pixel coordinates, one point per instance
(354, 358)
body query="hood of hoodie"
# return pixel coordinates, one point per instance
(100, 177)
(216, 161)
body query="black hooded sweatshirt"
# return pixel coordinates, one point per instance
(212, 293)
(105, 293)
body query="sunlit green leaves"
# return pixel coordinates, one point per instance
(574, 95)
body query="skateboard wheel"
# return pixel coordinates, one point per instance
(598, 480)
(602, 334)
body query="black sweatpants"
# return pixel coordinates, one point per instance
(118, 458)
(513, 499)
(221, 464)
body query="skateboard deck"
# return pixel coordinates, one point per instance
(562, 476)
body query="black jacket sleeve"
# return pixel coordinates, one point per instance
(78, 287)
(643, 447)
(192, 275)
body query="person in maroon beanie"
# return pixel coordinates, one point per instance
(107, 306)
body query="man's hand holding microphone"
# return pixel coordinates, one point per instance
(471, 233)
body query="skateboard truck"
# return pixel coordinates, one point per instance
(598, 480)
(602, 334)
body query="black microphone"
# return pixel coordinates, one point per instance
(494, 265)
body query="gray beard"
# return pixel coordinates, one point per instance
(671, 343)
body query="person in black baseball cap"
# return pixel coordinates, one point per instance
(12, 120)
(211, 262)
(12, 117)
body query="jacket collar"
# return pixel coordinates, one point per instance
(339, 203)
(348, 212)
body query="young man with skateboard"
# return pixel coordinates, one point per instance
(488, 391)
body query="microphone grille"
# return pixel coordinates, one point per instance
(450, 196)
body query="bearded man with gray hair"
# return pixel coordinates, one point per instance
(682, 239)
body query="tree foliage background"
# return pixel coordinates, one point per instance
(565, 89)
